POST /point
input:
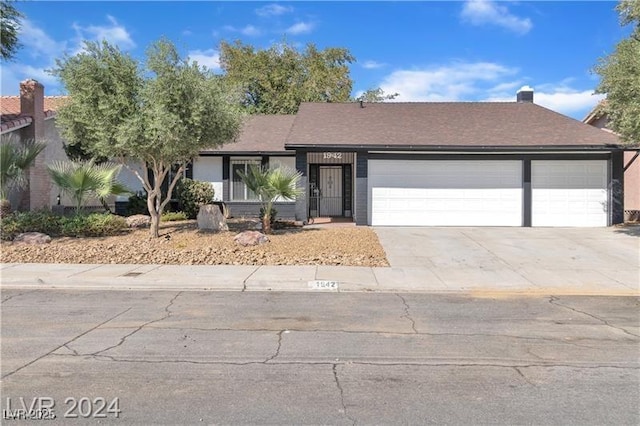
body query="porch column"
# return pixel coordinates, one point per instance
(301, 201)
(361, 216)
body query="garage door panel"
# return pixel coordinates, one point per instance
(569, 193)
(445, 193)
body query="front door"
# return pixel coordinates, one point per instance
(330, 185)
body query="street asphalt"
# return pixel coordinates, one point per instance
(214, 357)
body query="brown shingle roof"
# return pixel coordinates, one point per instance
(260, 133)
(441, 125)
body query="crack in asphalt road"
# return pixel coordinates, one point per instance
(334, 368)
(407, 315)
(168, 313)
(555, 301)
(525, 378)
(65, 344)
(277, 352)
(6, 299)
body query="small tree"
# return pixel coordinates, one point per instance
(160, 113)
(15, 160)
(620, 78)
(84, 179)
(269, 185)
(9, 29)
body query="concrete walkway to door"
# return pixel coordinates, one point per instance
(479, 258)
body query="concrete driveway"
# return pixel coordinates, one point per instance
(586, 258)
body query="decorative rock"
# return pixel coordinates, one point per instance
(138, 221)
(211, 219)
(251, 238)
(32, 238)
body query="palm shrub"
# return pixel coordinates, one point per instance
(84, 179)
(270, 185)
(192, 194)
(15, 160)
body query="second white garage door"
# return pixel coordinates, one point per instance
(445, 193)
(569, 193)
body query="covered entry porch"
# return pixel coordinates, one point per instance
(330, 185)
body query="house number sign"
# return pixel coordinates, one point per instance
(330, 155)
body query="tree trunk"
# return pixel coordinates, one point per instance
(154, 229)
(266, 224)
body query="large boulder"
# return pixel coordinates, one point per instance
(210, 218)
(138, 221)
(251, 238)
(32, 238)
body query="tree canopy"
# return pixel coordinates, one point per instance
(161, 112)
(376, 95)
(278, 79)
(9, 29)
(620, 78)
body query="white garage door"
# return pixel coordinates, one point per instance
(569, 193)
(445, 193)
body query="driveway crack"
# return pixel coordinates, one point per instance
(407, 315)
(168, 313)
(555, 301)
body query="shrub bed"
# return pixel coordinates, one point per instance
(83, 225)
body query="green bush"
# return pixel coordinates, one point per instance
(192, 194)
(274, 213)
(82, 225)
(173, 216)
(137, 204)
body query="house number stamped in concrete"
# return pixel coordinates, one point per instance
(323, 285)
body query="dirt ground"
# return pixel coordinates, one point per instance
(181, 243)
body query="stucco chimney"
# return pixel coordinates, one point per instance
(525, 94)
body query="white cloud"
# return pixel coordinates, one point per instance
(301, 28)
(114, 33)
(452, 82)
(37, 42)
(483, 12)
(209, 58)
(248, 30)
(568, 101)
(273, 10)
(370, 65)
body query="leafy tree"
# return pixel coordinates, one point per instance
(84, 179)
(376, 95)
(161, 112)
(620, 78)
(278, 79)
(269, 185)
(9, 29)
(15, 160)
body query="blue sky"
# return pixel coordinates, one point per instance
(474, 50)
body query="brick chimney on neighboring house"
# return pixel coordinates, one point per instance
(525, 94)
(32, 105)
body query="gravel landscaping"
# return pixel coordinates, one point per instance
(182, 244)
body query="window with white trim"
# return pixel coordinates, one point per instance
(239, 191)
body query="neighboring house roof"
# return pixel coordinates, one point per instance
(259, 134)
(596, 113)
(441, 125)
(10, 117)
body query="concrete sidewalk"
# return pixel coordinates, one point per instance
(317, 278)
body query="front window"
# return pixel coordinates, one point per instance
(239, 191)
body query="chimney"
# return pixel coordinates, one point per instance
(525, 94)
(32, 105)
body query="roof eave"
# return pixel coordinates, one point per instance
(465, 148)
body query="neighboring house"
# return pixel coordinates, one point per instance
(427, 164)
(31, 116)
(598, 118)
